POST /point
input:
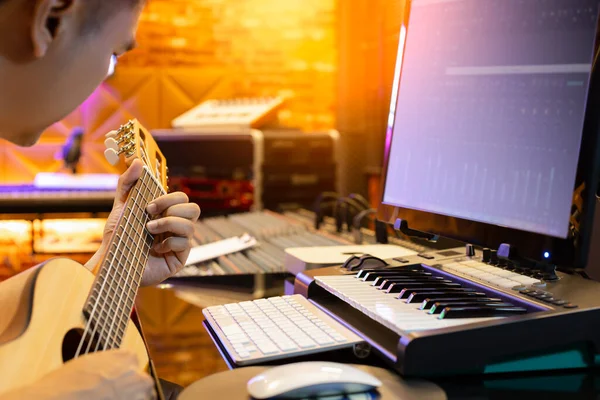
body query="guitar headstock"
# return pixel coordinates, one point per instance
(132, 141)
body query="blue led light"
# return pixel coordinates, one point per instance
(546, 254)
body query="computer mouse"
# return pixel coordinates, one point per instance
(309, 379)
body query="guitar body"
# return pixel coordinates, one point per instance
(41, 316)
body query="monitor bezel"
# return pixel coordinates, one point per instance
(568, 253)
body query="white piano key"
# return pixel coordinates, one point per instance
(386, 308)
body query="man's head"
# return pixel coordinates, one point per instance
(53, 55)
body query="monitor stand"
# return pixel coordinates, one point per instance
(402, 226)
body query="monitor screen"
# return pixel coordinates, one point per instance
(488, 110)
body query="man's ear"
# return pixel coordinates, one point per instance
(48, 16)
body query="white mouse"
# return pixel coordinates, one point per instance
(308, 379)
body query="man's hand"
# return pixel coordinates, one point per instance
(173, 228)
(113, 374)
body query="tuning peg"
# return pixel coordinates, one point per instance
(111, 156)
(112, 134)
(111, 143)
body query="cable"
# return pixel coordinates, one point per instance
(339, 220)
(357, 223)
(361, 199)
(318, 206)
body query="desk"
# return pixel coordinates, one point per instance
(231, 385)
(184, 354)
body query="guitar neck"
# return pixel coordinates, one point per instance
(112, 297)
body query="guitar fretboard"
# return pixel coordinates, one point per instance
(113, 294)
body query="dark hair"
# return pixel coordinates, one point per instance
(98, 11)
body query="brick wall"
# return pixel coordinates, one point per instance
(268, 46)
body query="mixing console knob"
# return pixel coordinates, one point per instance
(470, 250)
(493, 257)
(487, 253)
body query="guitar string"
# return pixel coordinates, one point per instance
(120, 268)
(112, 291)
(147, 241)
(128, 253)
(102, 297)
(140, 260)
(106, 272)
(149, 194)
(99, 297)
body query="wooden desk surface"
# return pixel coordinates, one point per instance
(231, 385)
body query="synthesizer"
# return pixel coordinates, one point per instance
(32, 199)
(449, 312)
(228, 115)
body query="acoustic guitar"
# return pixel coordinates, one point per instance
(60, 310)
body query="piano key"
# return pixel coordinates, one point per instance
(402, 268)
(386, 309)
(438, 307)
(405, 293)
(399, 287)
(428, 303)
(419, 297)
(371, 276)
(526, 280)
(477, 312)
(384, 282)
(363, 272)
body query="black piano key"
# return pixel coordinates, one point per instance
(363, 272)
(428, 303)
(384, 283)
(439, 306)
(480, 312)
(399, 287)
(457, 291)
(371, 276)
(418, 297)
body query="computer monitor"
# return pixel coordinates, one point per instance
(493, 126)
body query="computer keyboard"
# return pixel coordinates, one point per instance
(279, 327)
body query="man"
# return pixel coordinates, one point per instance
(53, 54)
